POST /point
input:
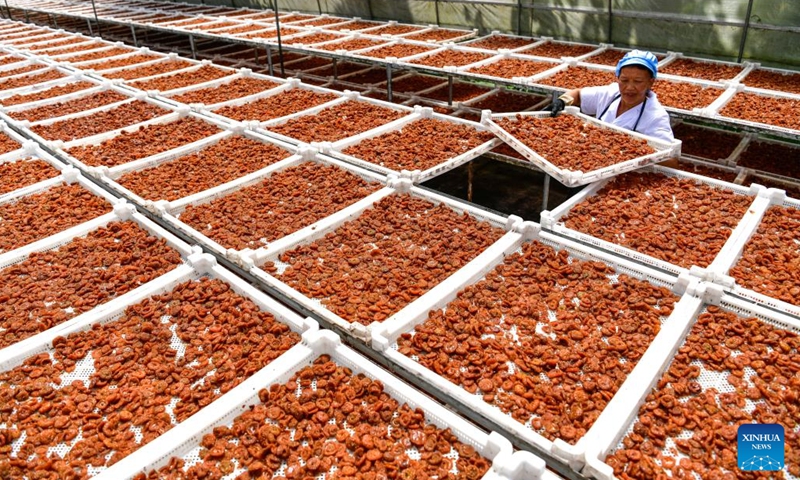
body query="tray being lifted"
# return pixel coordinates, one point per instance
(661, 150)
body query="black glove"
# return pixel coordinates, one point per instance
(557, 106)
(560, 103)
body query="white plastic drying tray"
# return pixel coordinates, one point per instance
(467, 34)
(572, 178)
(92, 65)
(409, 62)
(472, 101)
(546, 40)
(171, 57)
(69, 77)
(6, 130)
(344, 98)
(364, 53)
(333, 222)
(31, 150)
(56, 50)
(183, 440)
(757, 66)
(66, 58)
(121, 212)
(219, 83)
(385, 335)
(732, 253)
(714, 110)
(535, 79)
(290, 84)
(100, 87)
(674, 56)
(132, 83)
(335, 149)
(552, 220)
(22, 63)
(505, 55)
(170, 211)
(170, 113)
(654, 363)
(45, 36)
(98, 139)
(197, 265)
(497, 33)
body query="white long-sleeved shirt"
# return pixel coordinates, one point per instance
(654, 120)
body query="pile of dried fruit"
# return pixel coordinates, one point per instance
(373, 266)
(784, 82)
(353, 26)
(21, 70)
(607, 57)
(51, 287)
(571, 332)
(395, 30)
(705, 142)
(781, 112)
(206, 73)
(758, 360)
(140, 386)
(227, 160)
(24, 172)
(319, 22)
(398, 50)
(770, 261)
(168, 65)
(497, 42)
(48, 93)
(143, 142)
(436, 35)
(512, 67)
(60, 43)
(705, 70)
(124, 115)
(241, 87)
(40, 215)
(58, 51)
(122, 62)
(338, 122)
(579, 77)
(29, 80)
(558, 50)
(315, 38)
(685, 95)
(427, 143)
(111, 52)
(8, 144)
(672, 219)
(285, 202)
(451, 58)
(340, 420)
(275, 106)
(352, 44)
(76, 105)
(569, 143)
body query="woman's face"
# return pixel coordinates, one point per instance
(634, 83)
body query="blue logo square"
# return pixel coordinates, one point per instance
(760, 446)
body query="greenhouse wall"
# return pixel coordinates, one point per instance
(708, 28)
